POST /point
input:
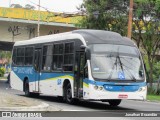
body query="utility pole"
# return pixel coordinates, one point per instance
(38, 29)
(130, 19)
(9, 3)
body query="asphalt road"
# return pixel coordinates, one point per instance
(127, 106)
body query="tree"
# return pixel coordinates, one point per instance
(16, 6)
(147, 32)
(105, 15)
(29, 7)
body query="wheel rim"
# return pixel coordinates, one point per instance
(69, 95)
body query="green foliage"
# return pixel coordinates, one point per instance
(2, 71)
(156, 70)
(6, 55)
(105, 15)
(153, 97)
(147, 19)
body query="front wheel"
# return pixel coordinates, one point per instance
(114, 102)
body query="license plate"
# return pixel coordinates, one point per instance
(122, 96)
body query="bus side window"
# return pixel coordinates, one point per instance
(57, 57)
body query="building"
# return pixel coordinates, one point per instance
(21, 24)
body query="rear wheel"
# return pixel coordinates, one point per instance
(68, 94)
(27, 92)
(26, 89)
(114, 102)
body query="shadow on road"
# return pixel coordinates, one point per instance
(86, 104)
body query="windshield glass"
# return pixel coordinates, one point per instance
(116, 62)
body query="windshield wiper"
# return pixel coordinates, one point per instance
(115, 63)
(121, 65)
(131, 75)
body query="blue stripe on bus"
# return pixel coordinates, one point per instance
(32, 75)
(29, 72)
(114, 87)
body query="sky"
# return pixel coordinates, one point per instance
(52, 5)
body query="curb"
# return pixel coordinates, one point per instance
(42, 107)
(153, 101)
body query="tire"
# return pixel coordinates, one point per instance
(27, 93)
(114, 102)
(68, 94)
(26, 89)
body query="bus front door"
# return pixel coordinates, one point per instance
(37, 67)
(79, 71)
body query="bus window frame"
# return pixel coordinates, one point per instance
(74, 51)
(20, 56)
(32, 57)
(41, 69)
(57, 43)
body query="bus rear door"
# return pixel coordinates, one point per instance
(37, 66)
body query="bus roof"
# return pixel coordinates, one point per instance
(87, 36)
(102, 36)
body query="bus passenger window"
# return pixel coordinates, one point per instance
(47, 58)
(20, 56)
(28, 55)
(57, 57)
(68, 57)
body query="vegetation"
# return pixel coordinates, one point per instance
(153, 97)
(6, 55)
(2, 71)
(105, 15)
(27, 6)
(147, 31)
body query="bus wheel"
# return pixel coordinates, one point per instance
(114, 102)
(68, 94)
(26, 89)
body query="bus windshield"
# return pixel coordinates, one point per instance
(116, 62)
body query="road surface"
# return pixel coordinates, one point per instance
(127, 106)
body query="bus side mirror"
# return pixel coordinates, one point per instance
(88, 54)
(87, 50)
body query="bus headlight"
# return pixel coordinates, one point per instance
(95, 87)
(100, 88)
(142, 89)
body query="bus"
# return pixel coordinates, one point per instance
(91, 65)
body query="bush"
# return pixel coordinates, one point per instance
(2, 71)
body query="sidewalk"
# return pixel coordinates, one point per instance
(12, 102)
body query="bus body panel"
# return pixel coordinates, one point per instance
(49, 83)
(110, 90)
(16, 82)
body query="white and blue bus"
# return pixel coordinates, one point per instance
(93, 65)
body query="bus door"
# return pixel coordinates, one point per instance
(79, 72)
(37, 66)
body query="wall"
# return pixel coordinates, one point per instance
(14, 31)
